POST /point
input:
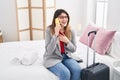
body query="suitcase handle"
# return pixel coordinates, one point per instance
(95, 32)
(91, 32)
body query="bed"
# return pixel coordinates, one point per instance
(11, 70)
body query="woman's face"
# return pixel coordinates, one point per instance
(63, 18)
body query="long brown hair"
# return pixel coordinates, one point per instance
(66, 28)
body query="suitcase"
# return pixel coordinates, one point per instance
(96, 71)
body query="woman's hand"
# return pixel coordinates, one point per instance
(57, 29)
(63, 38)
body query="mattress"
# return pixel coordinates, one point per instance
(36, 71)
(12, 71)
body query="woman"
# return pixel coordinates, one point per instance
(59, 42)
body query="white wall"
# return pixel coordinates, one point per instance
(81, 13)
(74, 8)
(113, 20)
(88, 13)
(8, 16)
(8, 20)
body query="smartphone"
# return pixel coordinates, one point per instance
(57, 22)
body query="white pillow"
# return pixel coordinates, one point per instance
(29, 59)
(114, 50)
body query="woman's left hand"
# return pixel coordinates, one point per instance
(63, 38)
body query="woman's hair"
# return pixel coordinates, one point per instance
(66, 28)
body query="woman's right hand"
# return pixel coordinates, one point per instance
(57, 29)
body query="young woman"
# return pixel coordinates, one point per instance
(59, 42)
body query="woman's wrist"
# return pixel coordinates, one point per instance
(55, 35)
(67, 42)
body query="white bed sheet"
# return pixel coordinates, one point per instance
(10, 50)
(11, 71)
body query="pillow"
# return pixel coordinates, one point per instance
(84, 36)
(28, 58)
(103, 40)
(114, 50)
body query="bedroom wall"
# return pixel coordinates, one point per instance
(8, 20)
(8, 16)
(81, 12)
(74, 10)
(114, 15)
(88, 13)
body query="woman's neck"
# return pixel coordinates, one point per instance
(62, 30)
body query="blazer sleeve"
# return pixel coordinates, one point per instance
(71, 46)
(50, 42)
